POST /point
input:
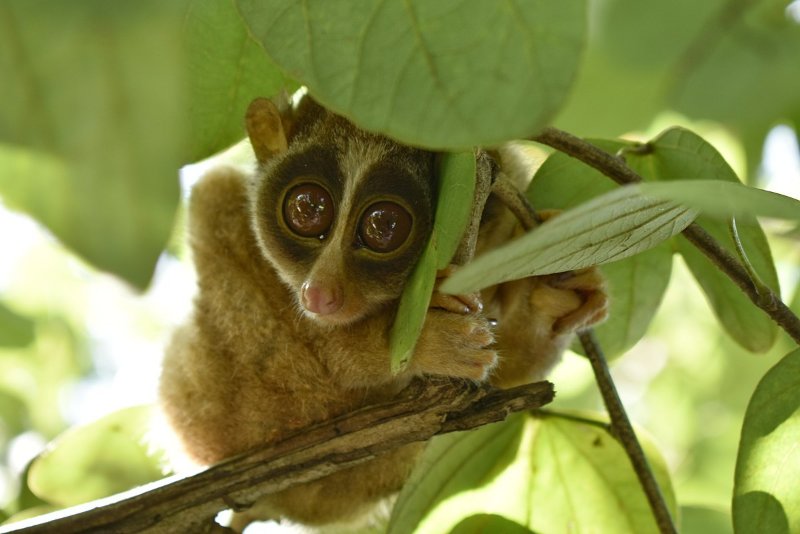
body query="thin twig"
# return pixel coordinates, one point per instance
(189, 504)
(620, 425)
(622, 430)
(615, 168)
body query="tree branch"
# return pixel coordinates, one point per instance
(189, 504)
(616, 169)
(622, 430)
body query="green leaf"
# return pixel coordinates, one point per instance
(413, 308)
(636, 285)
(228, 69)
(724, 200)
(705, 520)
(765, 495)
(611, 227)
(460, 72)
(15, 330)
(557, 473)
(97, 460)
(681, 155)
(92, 115)
(453, 207)
(489, 524)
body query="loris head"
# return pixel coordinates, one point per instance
(342, 214)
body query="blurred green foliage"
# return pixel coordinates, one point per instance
(101, 104)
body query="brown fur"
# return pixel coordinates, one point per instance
(251, 367)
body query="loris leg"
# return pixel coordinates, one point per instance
(537, 319)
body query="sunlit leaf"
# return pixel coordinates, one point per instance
(228, 69)
(550, 474)
(766, 493)
(97, 460)
(15, 330)
(679, 154)
(611, 227)
(489, 524)
(92, 102)
(704, 520)
(454, 204)
(725, 199)
(636, 285)
(460, 73)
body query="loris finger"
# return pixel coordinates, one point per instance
(463, 304)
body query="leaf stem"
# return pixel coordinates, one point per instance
(615, 168)
(761, 288)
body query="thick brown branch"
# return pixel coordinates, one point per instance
(616, 169)
(185, 504)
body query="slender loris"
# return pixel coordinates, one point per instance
(300, 267)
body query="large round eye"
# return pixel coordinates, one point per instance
(384, 226)
(308, 210)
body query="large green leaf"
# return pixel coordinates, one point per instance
(454, 205)
(444, 74)
(766, 493)
(97, 460)
(489, 524)
(705, 520)
(679, 154)
(636, 285)
(92, 119)
(550, 474)
(610, 227)
(227, 69)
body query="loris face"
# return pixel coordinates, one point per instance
(343, 215)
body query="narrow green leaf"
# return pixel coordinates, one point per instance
(15, 330)
(454, 204)
(611, 227)
(724, 200)
(97, 460)
(680, 155)
(455, 198)
(228, 69)
(447, 84)
(766, 495)
(557, 473)
(93, 117)
(413, 308)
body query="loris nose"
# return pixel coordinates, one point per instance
(321, 300)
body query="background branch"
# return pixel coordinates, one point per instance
(189, 504)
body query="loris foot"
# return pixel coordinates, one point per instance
(575, 300)
(454, 344)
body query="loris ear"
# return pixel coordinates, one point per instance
(266, 129)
